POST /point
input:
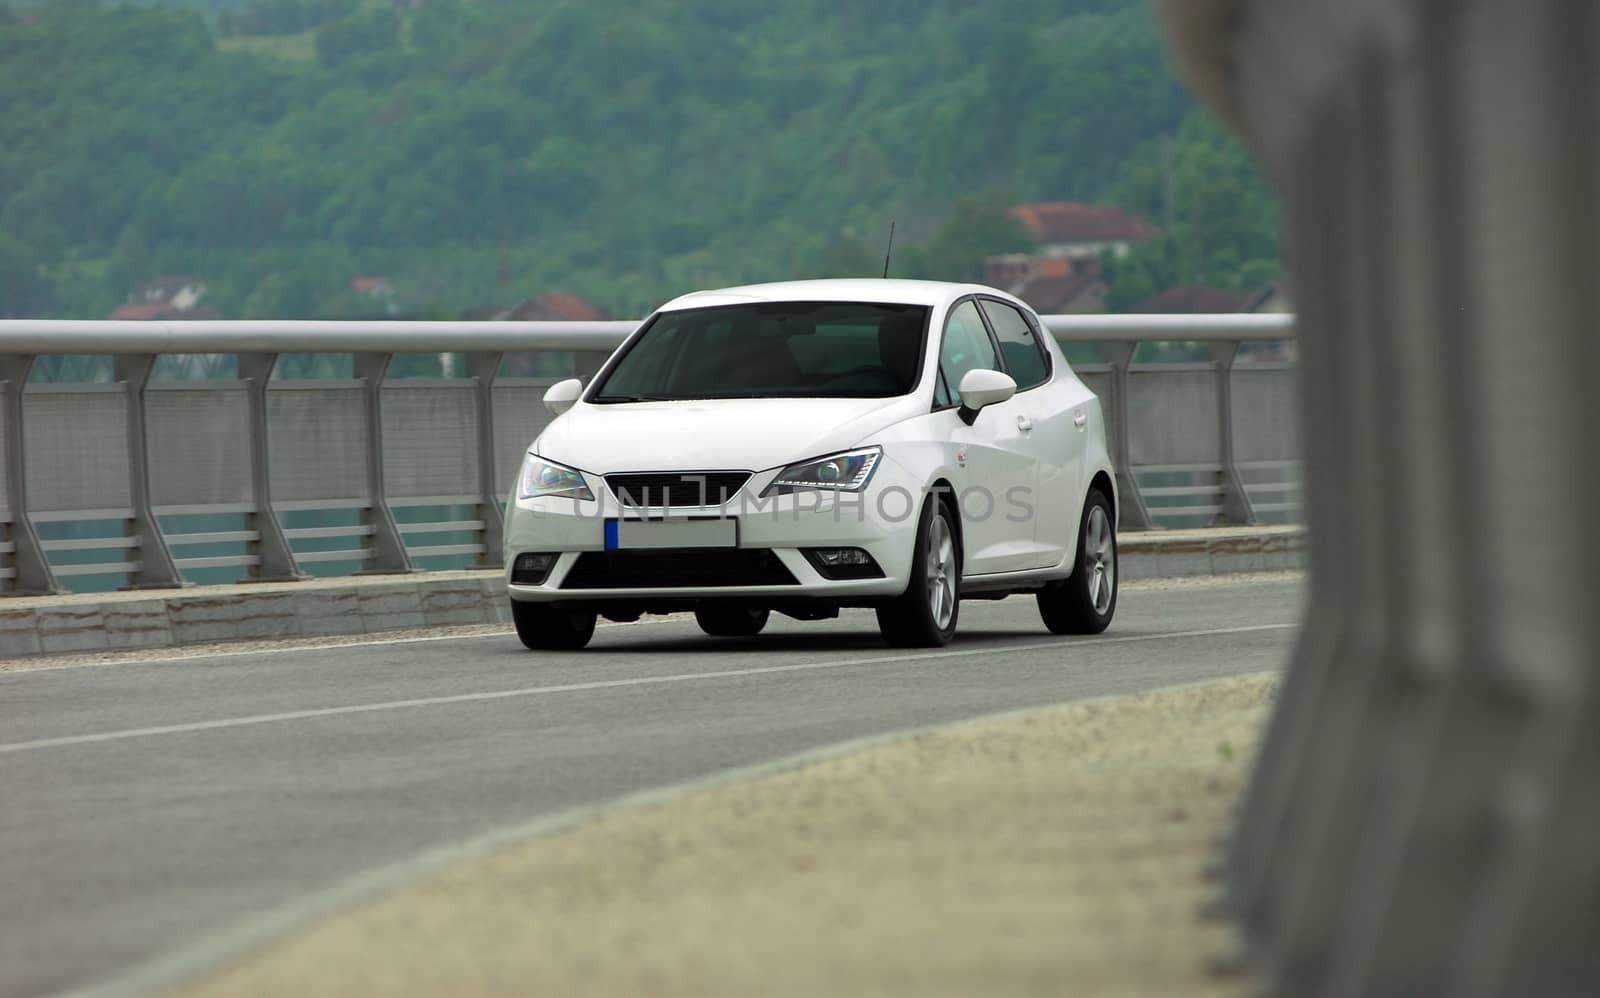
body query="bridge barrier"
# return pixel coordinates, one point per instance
(94, 623)
(155, 454)
(1424, 817)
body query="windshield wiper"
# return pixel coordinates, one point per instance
(632, 398)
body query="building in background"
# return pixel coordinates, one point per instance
(166, 298)
(1063, 275)
(1072, 230)
(555, 307)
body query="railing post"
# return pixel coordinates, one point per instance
(156, 567)
(388, 546)
(1133, 512)
(483, 368)
(1235, 497)
(271, 546)
(34, 577)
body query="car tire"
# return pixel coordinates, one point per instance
(925, 615)
(545, 628)
(731, 621)
(1085, 602)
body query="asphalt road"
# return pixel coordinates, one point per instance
(145, 804)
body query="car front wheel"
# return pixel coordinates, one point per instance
(1085, 602)
(544, 628)
(924, 616)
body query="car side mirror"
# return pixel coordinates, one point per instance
(981, 387)
(563, 395)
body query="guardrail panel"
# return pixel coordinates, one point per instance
(317, 435)
(1264, 424)
(1172, 417)
(204, 446)
(199, 440)
(519, 416)
(76, 444)
(429, 440)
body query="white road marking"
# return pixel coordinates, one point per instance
(530, 691)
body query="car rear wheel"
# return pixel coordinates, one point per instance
(924, 616)
(731, 621)
(544, 628)
(1085, 602)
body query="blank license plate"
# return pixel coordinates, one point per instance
(622, 535)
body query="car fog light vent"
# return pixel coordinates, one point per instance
(843, 563)
(843, 556)
(532, 569)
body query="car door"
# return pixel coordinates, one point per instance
(1045, 413)
(994, 463)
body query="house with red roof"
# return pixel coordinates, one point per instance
(1062, 277)
(372, 287)
(166, 298)
(557, 307)
(1075, 231)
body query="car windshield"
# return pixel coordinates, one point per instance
(772, 350)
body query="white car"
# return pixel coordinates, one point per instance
(807, 446)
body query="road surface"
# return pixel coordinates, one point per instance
(146, 804)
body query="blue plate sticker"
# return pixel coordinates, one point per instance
(611, 535)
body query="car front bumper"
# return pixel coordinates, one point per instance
(881, 520)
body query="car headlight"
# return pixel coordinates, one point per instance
(544, 478)
(846, 472)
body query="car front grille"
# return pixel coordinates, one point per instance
(671, 489)
(674, 569)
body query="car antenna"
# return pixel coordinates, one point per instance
(890, 250)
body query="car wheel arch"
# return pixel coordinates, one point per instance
(1101, 483)
(945, 491)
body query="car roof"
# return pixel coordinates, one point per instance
(897, 292)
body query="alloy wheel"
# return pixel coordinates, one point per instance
(1100, 560)
(941, 573)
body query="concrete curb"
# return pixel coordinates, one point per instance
(1152, 554)
(121, 621)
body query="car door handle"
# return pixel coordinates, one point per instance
(1080, 420)
(1024, 424)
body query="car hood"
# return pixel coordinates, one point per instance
(742, 434)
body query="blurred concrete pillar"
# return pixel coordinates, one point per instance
(1425, 813)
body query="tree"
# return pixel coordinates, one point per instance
(1222, 221)
(24, 293)
(482, 143)
(364, 34)
(847, 257)
(1149, 268)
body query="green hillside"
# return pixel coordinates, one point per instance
(478, 151)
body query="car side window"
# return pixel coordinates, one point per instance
(966, 346)
(1019, 347)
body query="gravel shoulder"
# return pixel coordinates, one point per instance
(1055, 851)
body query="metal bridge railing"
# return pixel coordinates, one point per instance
(135, 453)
